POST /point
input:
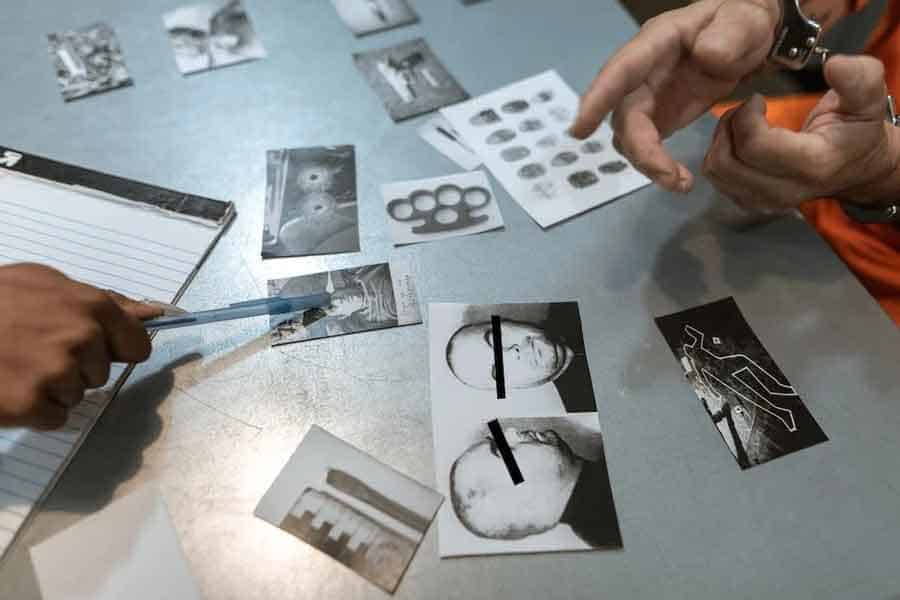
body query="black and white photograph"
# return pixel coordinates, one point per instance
(370, 16)
(545, 367)
(426, 210)
(348, 505)
(310, 202)
(520, 132)
(564, 503)
(362, 299)
(212, 35)
(756, 410)
(88, 61)
(409, 79)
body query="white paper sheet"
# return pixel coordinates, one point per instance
(128, 550)
(445, 139)
(520, 132)
(425, 210)
(133, 249)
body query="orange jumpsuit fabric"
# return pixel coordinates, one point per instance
(871, 251)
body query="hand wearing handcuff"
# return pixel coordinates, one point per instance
(684, 61)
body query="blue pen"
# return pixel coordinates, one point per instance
(277, 305)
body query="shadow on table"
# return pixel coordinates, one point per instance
(113, 451)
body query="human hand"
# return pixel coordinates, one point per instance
(679, 64)
(57, 339)
(846, 149)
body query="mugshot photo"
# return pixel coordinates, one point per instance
(564, 502)
(545, 366)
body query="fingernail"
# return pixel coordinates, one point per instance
(168, 309)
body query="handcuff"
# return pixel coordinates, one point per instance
(798, 41)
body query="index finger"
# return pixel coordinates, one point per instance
(627, 70)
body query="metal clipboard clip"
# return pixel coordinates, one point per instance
(797, 38)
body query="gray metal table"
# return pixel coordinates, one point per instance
(214, 415)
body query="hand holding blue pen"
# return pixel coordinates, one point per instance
(242, 310)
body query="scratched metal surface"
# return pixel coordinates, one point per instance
(215, 414)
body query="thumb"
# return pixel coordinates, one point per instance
(139, 310)
(858, 82)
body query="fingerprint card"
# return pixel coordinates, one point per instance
(520, 132)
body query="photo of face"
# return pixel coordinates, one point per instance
(490, 507)
(531, 356)
(563, 501)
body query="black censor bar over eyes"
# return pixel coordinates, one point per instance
(505, 452)
(497, 343)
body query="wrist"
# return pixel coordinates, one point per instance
(882, 174)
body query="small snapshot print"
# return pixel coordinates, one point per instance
(520, 132)
(445, 139)
(343, 502)
(362, 299)
(754, 407)
(209, 36)
(370, 16)
(432, 209)
(310, 202)
(564, 501)
(88, 61)
(409, 79)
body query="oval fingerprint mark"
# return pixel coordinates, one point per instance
(515, 107)
(501, 136)
(476, 197)
(612, 167)
(532, 171)
(582, 179)
(548, 141)
(592, 147)
(544, 189)
(446, 216)
(515, 153)
(561, 114)
(564, 159)
(531, 125)
(543, 96)
(485, 117)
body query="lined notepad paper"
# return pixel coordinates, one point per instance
(138, 240)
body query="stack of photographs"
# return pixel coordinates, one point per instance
(550, 431)
(521, 134)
